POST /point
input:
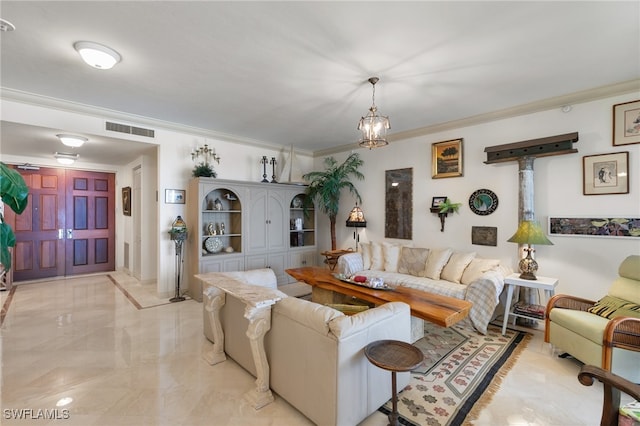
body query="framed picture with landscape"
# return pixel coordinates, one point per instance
(606, 173)
(626, 123)
(446, 159)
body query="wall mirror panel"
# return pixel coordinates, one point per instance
(398, 203)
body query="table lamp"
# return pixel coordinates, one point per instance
(356, 220)
(529, 232)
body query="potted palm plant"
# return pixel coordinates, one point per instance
(325, 187)
(13, 191)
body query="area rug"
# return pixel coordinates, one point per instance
(461, 372)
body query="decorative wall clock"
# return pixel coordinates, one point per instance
(483, 202)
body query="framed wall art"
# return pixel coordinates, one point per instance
(606, 173)
(436, 201)
(626, 123)
(174, 196)
(595, 226)
(483, 202)
(126, 201)
(446, 159)
(484, 235)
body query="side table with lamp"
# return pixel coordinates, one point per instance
(529, 232)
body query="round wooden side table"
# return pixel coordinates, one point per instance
(394, 356)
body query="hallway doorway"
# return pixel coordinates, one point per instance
(68, 227)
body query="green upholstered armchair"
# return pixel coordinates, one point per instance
(605, 333)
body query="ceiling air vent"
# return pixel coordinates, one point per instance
(132, 130)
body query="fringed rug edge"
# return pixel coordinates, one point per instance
(488, 394)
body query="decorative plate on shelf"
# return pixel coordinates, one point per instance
(213, 244)
(483, 202)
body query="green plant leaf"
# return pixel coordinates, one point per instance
(204, 170)
(13, 189)
(325, 187)
(447, 206)
(7, 239)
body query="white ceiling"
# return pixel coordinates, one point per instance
(296, 72)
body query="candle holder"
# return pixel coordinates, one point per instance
(273, 168)
(264, 163)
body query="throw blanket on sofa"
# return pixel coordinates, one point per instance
(484, 291)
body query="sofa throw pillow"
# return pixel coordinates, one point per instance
(435, 262)
(476, 268)
(377, 259)
(456, 265)
(391, 254)
(611, 307)
(365, 250)
(413, 261)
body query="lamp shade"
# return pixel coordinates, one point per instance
(530, 232)
(356, 218)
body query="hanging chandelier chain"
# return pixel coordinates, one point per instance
(373, 126)
(373, 81)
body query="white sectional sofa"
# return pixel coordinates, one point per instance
(316, 353)
(442, 271)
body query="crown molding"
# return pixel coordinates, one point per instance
(529, 108)
(132, 119)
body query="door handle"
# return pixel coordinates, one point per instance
(69, 234)
(61, 234)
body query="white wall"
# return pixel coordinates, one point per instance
(169, 169)
(585, 265)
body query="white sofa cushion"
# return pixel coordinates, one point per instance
(435, 262)
(347, 325)
(413, 261)
(309, 314)
(365, 250)
(391, 255)
(377, 257)
(456, 265)
(476, 268)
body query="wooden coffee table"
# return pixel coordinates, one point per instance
(441, 310)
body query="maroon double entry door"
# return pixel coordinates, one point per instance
(68, 227)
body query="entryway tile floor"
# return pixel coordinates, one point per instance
(79, 349)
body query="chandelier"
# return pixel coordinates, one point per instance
(373, 126)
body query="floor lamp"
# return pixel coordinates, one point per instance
(178, 236)
(356, 220)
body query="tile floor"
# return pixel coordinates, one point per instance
(82, 350)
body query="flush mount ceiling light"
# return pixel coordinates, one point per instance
(72, 140)
(66, 158)
(97, 55)
(6, 26)
(373, 126)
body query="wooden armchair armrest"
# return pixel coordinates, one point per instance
(613, 384)
(567, 302)
(620, 332)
